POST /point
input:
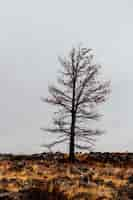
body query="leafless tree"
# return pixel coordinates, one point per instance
(80, 91)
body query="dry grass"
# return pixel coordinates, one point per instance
(104, 180)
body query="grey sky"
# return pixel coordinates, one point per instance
(32, 34)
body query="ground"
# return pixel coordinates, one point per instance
(93, 176)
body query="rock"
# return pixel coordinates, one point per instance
(75, 170)
(83, 169)
(110, 184)
(130, 179)
(29, 183)
(4, 195)
(99, 181)
(18, 165)
(84, 181)
(82, 196)
(62, 181)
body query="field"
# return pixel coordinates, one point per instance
(94, 176)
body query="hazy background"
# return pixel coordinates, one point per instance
(32, 34)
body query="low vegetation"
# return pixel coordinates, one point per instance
(51, 176)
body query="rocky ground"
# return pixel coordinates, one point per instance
(94, 176)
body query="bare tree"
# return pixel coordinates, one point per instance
(80, 91)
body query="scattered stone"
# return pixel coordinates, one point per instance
(75, 170)
(110, 184)
(130, 179)
(83, 169)
(84, 181)
(64, 181)
(82, 196)
(99, 181)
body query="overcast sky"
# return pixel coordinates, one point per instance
(33, 33)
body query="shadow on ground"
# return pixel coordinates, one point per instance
(32, 194)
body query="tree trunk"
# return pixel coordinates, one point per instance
(72, 145)
(72, 139)
(73, 115)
